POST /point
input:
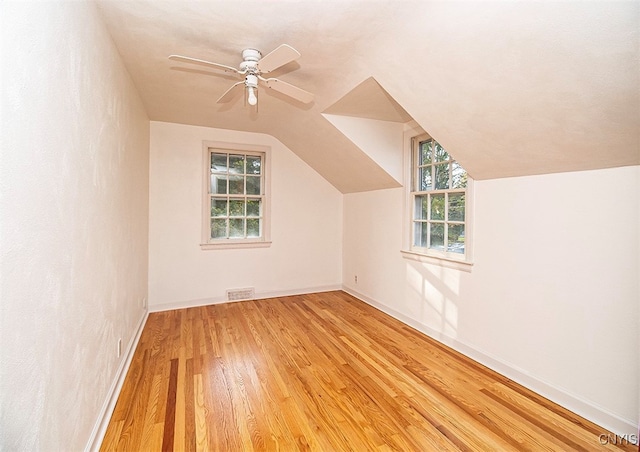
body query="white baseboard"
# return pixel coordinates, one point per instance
(100, 428)
(585, 408)
(257, 296)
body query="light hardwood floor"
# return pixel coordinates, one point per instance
(323, 372)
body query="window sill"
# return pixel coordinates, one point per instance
(234, 245)
(442, 261)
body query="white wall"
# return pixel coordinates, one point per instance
(74, 215)
(306, 225)
(553, 298)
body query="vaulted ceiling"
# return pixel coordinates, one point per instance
(509, 88)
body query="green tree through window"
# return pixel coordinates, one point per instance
(439, 190)
(236, 195)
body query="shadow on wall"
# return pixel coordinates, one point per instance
(433, 294)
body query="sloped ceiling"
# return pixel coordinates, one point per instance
(369, 100)
(374, 122)
(509, 88)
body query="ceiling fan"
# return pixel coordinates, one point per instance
(253, 66)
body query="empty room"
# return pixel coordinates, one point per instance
(320, 225)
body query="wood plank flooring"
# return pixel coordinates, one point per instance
(322, 372)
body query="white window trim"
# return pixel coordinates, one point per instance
(408, 251)
(261, 242)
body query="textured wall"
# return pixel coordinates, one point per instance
(552, 299)
(306, 224)
(74, 213)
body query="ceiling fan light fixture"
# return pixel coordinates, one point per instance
(252, 99)
(251, 82)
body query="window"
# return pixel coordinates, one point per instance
(438, 202)
(235, 206)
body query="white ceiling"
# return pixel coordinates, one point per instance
(509, 88)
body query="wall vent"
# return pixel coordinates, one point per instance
(240, 294)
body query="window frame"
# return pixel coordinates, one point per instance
(208, 243)
(413, 136)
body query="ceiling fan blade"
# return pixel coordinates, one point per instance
(185, 59)
(278, 57)
(230, 93)
(289, 90)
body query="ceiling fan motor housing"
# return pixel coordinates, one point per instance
(250, 63)
(251, 55)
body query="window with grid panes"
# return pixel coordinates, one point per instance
(439, 192)
(236, 196)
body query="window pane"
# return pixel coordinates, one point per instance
(236, 185)
(236, 164)
(236, 194)
(253, 227)
(456, 238)
(253, 185)
(458, 176)
(420, 234)
(218, 207)
(254, 165)
(439, 215)
(437, 207)
(425, 152)
(425, 182)
(440, 154)
(236, 227)
(219, 163)
(456, 206)
(253, 207)
(236, 208)
(218, 184)
(436, 236)
(218, 228)
(442, 176)
(422, 205)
